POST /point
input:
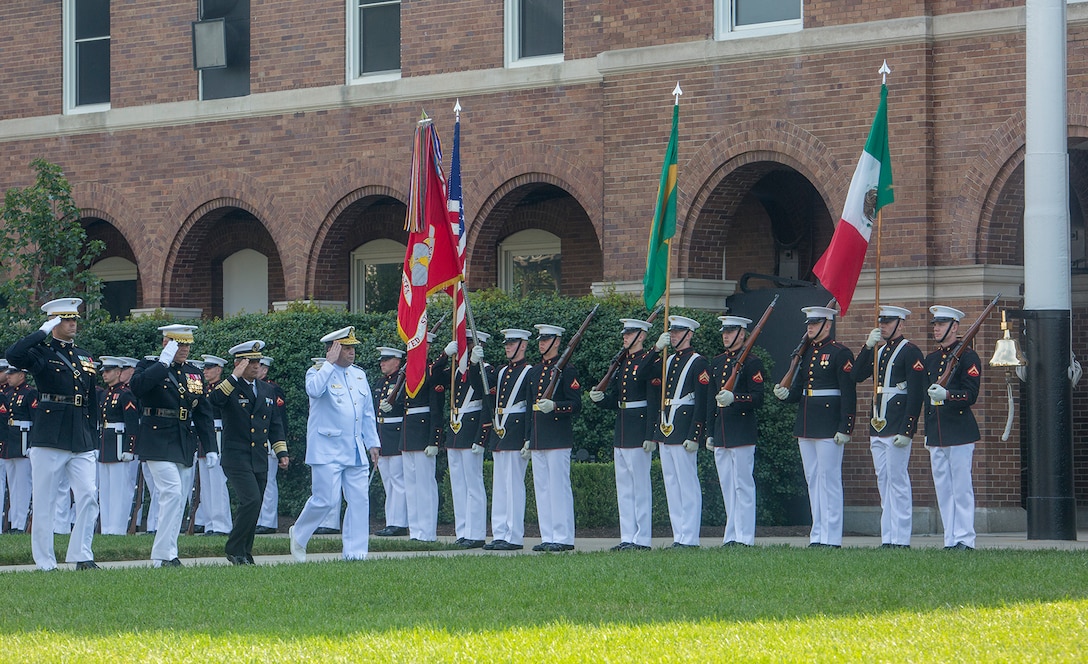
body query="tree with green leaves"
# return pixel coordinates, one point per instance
(44, 252)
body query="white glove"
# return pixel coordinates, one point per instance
(724, 398)
(649, 446)
(691, 445)
(874, 338)
(127, 456)
(710, 443)
(937, 393)
(431, 450)
(596, 396)
(168, 352)
(48, 325)
(476, 355)
(900, 440)
(384, 406)
(451, 348)
(212, 458)
(96, 455)
(841, 438)
(662, 342)
(545, 405)
(477, 448)
(782, 393)
(525, 454)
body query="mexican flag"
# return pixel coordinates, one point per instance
(664, 224)
(870, 189)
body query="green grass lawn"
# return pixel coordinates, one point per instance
(767, 603)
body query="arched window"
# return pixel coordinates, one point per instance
(375, 275)
(529, 262)
(245, 283)
(118, 277)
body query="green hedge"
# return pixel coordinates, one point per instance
(293, 337)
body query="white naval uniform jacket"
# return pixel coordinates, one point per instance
(341, 427)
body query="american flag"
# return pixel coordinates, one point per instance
(457, 223)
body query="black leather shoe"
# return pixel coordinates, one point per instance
(236, 560)
(492, 544)
(543, 546)
(962, 546)
(214, 533)
(328, 531)
(622, 546)
(16, 531)
(471, 544)
(265, 530)
(557, 547)
(249, 559)
(197, 530)
(503, 545)
(459, 541)
(86, 564)
(639, 547)
(171, 563)
(678, 545)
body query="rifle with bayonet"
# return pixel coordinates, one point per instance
(619, 357)
(138, 500)
(561, 363)
(796, 355)
(731, 382)
(965, 341)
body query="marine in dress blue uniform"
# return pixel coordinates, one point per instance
(117, 449)
(269, 520)
(420, 437)
(19, 403)
(213, 512)
(897, 398)
(390, 421)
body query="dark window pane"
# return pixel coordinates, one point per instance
(379, 35)
(119, 298)
(541, 27)
(93, 72)
(536, 274)
(381, 287)
(92, 18)
(752, 12)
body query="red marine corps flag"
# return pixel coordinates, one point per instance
(431, 262)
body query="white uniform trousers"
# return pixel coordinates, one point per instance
(213, 512)
(893, 480)
(153, 500)
(469, 494)
(396, 503)
(508, 497)
(19, 485)
(330, 481)
(3, 481)
(270, 506)
(822, 460)
(63, 514)
(48, 465)
(735, 475)
(680, 471)
(421, 490)
(170, 479)
(955, 495)
(115, 491)
(554, 499)
(634, 494)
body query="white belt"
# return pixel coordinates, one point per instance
(686, 400)
(623, 405)
(472, 407)
(890, 391)
(513, 409)
(22, 424)
(823, 393)
(390, 420)
(119, 427)
(416, 410)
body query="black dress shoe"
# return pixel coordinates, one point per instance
(471, 544)
(962, 546)
(16, 531)
(503, 545)
(265, 530)
(237, 560)
(543, 546)
(639, 547)
(197, 530)
(459, 541)
(622, 546)
(492, 544)
(557, 547)
(214, 533)
(327, 531)
(171, 563)
(86, 564)
(678, 545)
(249, 559)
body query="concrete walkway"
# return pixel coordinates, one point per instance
(983, 541)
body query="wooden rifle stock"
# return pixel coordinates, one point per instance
(561, 364)
(398, 387)
(138, 500)
(965, 341)
(795, 357)
(618, 359)
(731, 382)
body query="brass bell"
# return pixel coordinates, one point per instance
(1007, 353)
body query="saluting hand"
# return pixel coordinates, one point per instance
(333, 353)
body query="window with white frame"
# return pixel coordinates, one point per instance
(530, 262)
(373, 39)
(740, 18)
(86, 55)
(375, 276)
(534, 31)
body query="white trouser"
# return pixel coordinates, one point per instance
(735, 466)
(19, 485)
(3, 481)
(115, 496)
(48, 466)
(554, 499)
(469, 495)
(893, 480)
(153, 507)
(680, 471)
(396, 503)
(170, 479)
(421, 490)
(330, 481)
(634, 494)
(63, 516)
(508, 497)
(213, 512)
(955, 495)
(270, 506)
(822, 460)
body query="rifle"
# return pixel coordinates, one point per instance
(619, 357)
(138, 500)
(398, 387)
(194, 502)
(798, 353)
(731, 382)
(965, 340)
(561, 364)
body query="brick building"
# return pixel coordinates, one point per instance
(289, 163)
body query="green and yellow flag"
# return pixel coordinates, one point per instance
(664, 224)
